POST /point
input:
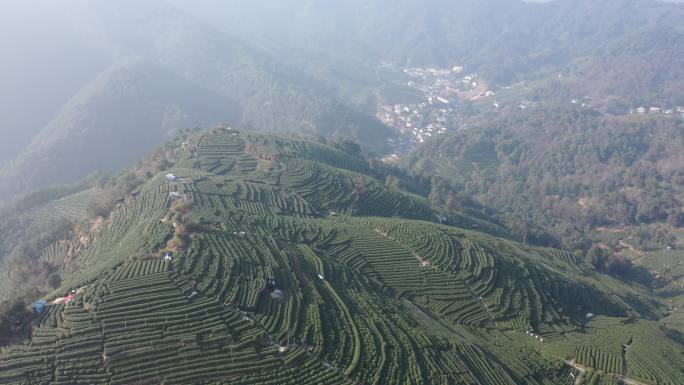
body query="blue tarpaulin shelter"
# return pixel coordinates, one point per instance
(39, 306)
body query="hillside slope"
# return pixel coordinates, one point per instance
(313, 69)
(41, 69)
(498, 38)
(645, 68)
(566, 167)
(92, 132)
(193, 71)
(367, 287)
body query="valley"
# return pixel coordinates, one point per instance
(437, 93)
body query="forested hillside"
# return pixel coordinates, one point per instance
(645, 68)
(500, 39)
(232, 257)
(304, 67)
(91, 130)
(193, 75)
(568, 168)
(41, 69)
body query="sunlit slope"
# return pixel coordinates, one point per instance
(374, 290)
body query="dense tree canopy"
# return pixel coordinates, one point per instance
(568, 169)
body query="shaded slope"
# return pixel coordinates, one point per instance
(41, 69)
(116, 119)
(272, 95)
(501, 39)
(203, 70)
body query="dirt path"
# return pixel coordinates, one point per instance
(583, 369)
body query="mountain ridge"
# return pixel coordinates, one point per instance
(90, 127)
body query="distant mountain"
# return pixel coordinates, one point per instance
(502, 39)
(41, 68)
(200, 76)
(272, 95)
(311, 68)
(645, 68)
(619, 52)
(117, 117)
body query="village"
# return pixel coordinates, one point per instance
(657, 110)
(441, 89)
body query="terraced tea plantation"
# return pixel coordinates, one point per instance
(267, 260)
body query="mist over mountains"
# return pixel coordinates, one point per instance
(295, 66)
(202, 66)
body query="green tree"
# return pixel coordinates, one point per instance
(393, 182)
(348, 146)
(598, 256)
